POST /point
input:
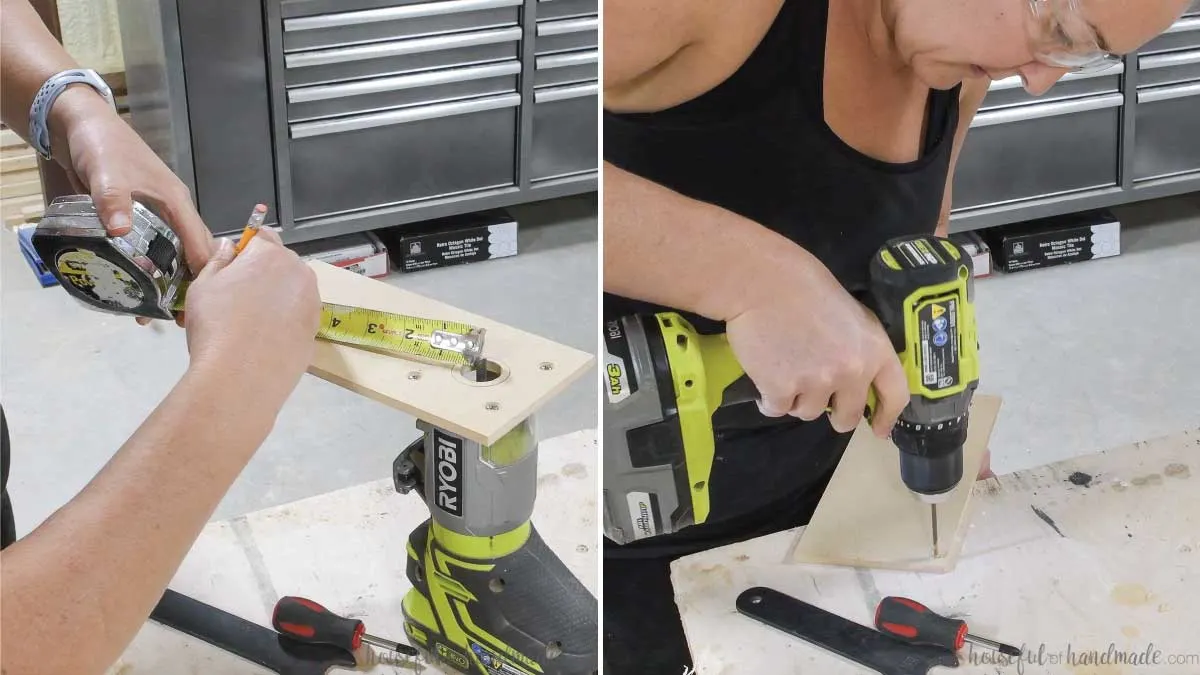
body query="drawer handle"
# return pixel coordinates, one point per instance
(1184, 25)
(393, 13)
(1169, 93)
(564, 93)
(568, 59)
(393, 117)
(325, 57)
(401, 82)
(565, 26)
(1032, 112)
(1014, 81)
(1167, 60)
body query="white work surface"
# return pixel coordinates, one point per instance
(346, 550)
(1123, 572)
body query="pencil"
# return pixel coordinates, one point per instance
(252, 226)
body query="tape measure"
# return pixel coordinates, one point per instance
(426, 339)
(143, 274)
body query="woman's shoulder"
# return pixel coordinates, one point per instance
(664, 53)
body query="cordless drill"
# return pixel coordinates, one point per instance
(664, 381)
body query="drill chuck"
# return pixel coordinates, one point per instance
(931, 458)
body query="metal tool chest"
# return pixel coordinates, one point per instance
(1121, 135)
(347, 115)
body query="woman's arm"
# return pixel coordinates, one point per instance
(804, 341)
(30, 55)
(76, 590)
(101, 153)
(663, 247)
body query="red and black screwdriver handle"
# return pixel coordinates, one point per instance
(307, 621)
(911, 621)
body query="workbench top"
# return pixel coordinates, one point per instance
(346, 550)
(1109, 573)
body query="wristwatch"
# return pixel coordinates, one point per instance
(39, 128)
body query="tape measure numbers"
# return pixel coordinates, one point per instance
(428, 339)
(142, 274)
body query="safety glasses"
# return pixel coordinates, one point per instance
(1063, 38)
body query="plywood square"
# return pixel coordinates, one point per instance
(868, 519)
(536, 368)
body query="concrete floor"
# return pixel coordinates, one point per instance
(1087, 357)
(75, 383)
(1100, 354)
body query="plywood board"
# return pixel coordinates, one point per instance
(535, 368)
(867, 518)
(14, 208)
(1109, 558)
(20, 162)
(20, 185)
(9, 139)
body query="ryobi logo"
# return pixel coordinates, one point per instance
(449, 472)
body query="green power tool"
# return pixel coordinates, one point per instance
(488, 596)
(664, 381)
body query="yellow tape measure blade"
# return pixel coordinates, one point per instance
(433, 340)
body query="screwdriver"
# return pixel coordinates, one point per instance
(911, 621)
(304, 620)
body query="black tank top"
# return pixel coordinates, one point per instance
(757, 145)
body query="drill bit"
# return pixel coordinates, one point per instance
(933, 515)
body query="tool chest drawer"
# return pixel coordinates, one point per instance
(294, 8)
(561, 9)
(565, 120)
(381, 93)
(1009, 91)
(566, 68)
(1183, 34)
(1167, 140)
(404, 155)
(564, 35)
(1024, 152)
(396, 57)
(398, 21)
(1169, 68)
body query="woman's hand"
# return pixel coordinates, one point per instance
(809, 345)
(255, 316)
(108, 160)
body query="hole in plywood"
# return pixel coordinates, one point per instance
(486, 374)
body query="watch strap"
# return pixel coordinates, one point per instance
(39, 112)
